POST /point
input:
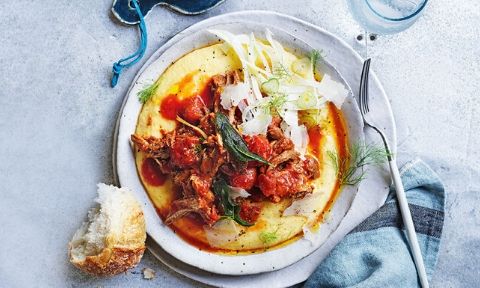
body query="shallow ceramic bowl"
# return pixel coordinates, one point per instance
(162, 234)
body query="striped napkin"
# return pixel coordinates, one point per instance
(376, 253)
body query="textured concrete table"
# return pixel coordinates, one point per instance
(57, 116)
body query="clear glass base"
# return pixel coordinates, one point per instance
(386, 16)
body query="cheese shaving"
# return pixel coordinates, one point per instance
(222, 232)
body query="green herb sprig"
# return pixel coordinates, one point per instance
(234, 143)
(268, 237)
(315, 56)
(147, 92)
(350, 171)
(230, 209)
(279, 71)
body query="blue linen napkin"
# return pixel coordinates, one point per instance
(376, 253)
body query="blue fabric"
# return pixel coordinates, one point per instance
(123, 11)
(376, 253)
(135, 57)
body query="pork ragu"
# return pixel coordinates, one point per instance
(195, 156)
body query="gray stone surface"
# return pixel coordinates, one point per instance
(57, 115)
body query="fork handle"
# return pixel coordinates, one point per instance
(408, 223)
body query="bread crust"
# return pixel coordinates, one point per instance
(111, 261)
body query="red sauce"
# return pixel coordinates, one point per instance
(194, 109)
(245, 178)
(152, 174)
(172, 105)
(184, 153)
(190, 229)
(207, 95)
(314, 138)
(250, 211)
(259, 145)
(342, 151)
(341, 133)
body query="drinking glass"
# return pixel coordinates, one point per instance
(386, 16)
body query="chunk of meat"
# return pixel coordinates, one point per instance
(259, 145)
(245, 178)
(311, 167)
(250, 211)
(230, 78)
(218, 81)
(182, 179)
(195, 109)
(183, 207)
(213, 156)
(274, 131)
(185, 151)
(284, 157)
(207, 123)
(198, 197)
(281, 183)
(202, 185)
(281, 145)
(154, 147)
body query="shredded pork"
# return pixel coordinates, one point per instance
(194, 162)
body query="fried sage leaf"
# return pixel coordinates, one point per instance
(234, 143)
(230, 209)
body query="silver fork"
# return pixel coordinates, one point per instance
(402, 199)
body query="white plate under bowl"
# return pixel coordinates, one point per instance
(338, 55)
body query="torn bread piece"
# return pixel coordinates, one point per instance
(113, 239)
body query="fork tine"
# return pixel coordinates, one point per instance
(364, 89)
(363, 93)
(366, 85)
(360, 92)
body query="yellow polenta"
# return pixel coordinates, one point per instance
(271, 229)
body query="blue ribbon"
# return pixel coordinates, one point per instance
(135, 57)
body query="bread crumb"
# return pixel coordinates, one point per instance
(148, 273)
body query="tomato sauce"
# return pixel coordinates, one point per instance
(314, 141)
(172, 105)
(207, 95)
(152, 174)
(342, 151)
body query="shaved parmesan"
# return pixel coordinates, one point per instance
(222, 232)
(277, 47)
(299, 136)
(304, 207)
(297, 133)
(258, 124)
(233, 41)
(290, 117)
(236, 192)
(256, 90)
(232, 95)
(332, 90)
